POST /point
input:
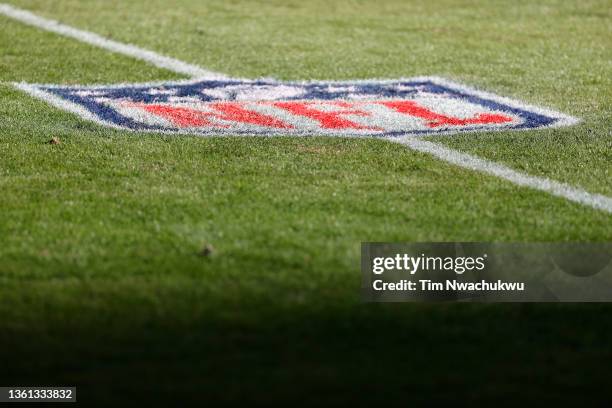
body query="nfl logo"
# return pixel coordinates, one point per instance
(417, 106)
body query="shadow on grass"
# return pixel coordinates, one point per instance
(326, 353)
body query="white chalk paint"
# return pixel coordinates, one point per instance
(88, 37)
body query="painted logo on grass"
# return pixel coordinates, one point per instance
(267, 107)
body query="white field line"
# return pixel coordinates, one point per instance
(468, 161)
(151, 57)
(438, 150)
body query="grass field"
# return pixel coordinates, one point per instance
(101, 284)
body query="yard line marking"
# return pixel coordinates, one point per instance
(468, 161)
(88, 37)
(438, 150)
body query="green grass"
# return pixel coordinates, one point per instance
(553, 53)
(101, 284)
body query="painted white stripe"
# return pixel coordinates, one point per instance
(151, 57)
(555, 188)
(440, 151)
